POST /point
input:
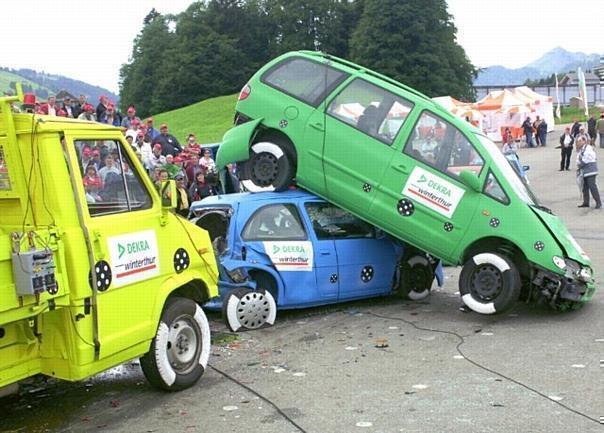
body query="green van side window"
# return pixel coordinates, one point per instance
(436, 142)
(371, 110)
(5, 184)
(304, 79)
(110, 183)
(493, 189)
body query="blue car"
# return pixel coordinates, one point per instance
(293, 249)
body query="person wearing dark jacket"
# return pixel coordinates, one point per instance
(528, 132)
(169, 143)
(199, 188)
(574, 130)
(542, 132)
(566, 145)
(588, 169)
(102, 107)
(591, 129)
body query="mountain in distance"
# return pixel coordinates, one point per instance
(557, 60)
(43, 84)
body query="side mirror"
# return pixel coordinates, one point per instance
(470, 179)
(526, 167)
(168, 194)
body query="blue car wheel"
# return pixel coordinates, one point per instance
(416, 277)
(249, 309)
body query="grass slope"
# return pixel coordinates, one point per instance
(6, 78)
(208, 119)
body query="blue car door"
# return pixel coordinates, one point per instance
(277, 231)
(366, 264)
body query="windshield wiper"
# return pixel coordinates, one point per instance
(543, 208)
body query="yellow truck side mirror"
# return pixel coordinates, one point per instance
(168, 194)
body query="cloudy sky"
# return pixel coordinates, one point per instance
(90, 39)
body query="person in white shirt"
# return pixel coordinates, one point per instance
(207, 162)
(588, 168)
(566, 146)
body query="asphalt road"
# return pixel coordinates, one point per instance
(382, 365)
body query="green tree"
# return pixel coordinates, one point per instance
(140, 76)
(414, 41)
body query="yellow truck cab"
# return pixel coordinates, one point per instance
(95, 269)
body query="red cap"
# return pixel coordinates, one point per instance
(136, 122)
(157, 146)
(88, 107)
(177, 159)
(140, 134)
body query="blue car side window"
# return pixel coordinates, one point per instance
(329, 221)
(274, 222)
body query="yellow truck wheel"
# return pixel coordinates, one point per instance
(181, 348)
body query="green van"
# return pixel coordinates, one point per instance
(397, 159)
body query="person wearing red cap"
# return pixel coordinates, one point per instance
(109, 116)
(102, 107)
(150, 129)
(88, 113)
(169, 143)
(50, 108)
(131, 115)
(143, 145)
(156, 159)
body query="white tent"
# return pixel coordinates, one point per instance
(543, 105)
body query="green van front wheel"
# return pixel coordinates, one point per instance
(268, 168)
(489, 283)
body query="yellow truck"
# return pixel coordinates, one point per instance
(95, 269)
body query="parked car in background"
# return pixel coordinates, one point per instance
(395, 158)
(295, 250)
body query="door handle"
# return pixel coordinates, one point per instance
(401, 168)
(325, 252)
(318, 126)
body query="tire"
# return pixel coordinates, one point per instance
(489, 283)
(269, 168)
(416, 277)
(245, 309)
(180, 350)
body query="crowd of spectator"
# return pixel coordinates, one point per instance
(191, 165)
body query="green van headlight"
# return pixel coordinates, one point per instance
(585, 274)
(559, 262)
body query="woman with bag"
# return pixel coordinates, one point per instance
(588, 169)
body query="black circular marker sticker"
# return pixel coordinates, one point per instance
(448, 227)
(405, 207)
(367, 274)
(539, 246)
(333, 279)
(181, 260)
(283, 123)
(54, 289)
(366, 187)
(102, 271)
(494, 222)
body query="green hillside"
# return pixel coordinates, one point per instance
(6, 78)
(208, 119)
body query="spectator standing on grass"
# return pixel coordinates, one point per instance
(588, 169)
(102, 107)
(169, 143)
(566, 146)
(88, 113)
(528, 132)
(591, 129)
(130, 117)
(150, 129)
(78, 107)
(156, 159)
(542, 132)
(600, 129)
(67, 107)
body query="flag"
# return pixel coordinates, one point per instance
(582, 89)
(557, 99)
